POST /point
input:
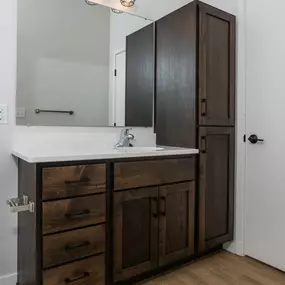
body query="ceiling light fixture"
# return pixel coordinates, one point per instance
(128, 3)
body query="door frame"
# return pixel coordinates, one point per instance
(238, 245)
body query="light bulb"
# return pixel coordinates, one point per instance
(116, 11)
(128, 3)
(90, 3)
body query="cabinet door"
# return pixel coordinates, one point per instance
(216, 67)
(176, 78)
(140, 78)
(135, 232)
(177, 215)
(216, 191)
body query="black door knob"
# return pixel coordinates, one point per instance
(254, 139)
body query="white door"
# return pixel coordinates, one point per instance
(265, 117)
(120, 89)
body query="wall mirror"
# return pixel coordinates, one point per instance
(83, 64)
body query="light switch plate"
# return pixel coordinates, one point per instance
(3, 114)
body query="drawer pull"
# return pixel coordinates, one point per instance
(155, 212)
(84, 180)
(84, 275)
(76, 246)
(204, 107)
(77, 215)
(203, 144)
(163, 205)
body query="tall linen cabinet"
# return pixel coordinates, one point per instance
(195, 107)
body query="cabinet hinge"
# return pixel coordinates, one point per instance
(115, 72)
(244, 138)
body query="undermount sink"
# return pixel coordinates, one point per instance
(139, 149)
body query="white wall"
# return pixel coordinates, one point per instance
(8, 170)
(121, 25)
(63, 62)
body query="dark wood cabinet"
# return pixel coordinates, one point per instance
(135, 232)
(176, 222)
(216, 191)
(89, 271)
(176, 78)
(140, 78)
(128, 175)
(195, 89)
(216, 67)
(63, 239)
(153, 227)
(195, 73)
(84, 236)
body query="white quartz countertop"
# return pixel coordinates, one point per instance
(48, 153)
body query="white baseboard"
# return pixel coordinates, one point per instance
(233, 247)
(8, 279)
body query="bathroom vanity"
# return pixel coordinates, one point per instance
(97, 216)
(103, 220)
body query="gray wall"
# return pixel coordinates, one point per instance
(63, 62)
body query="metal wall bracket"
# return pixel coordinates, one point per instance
(21, 205)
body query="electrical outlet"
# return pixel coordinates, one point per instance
(20, 112)
(3, 114)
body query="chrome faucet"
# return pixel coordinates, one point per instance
(125, 138)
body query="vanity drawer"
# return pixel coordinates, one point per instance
(90, 271)
(147, 173)
(70, 181)
(72, 213)
(69, 246)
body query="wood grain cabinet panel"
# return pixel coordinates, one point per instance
(69, 246)
(73, 213)
(216, 193)
(90, 271)
(135, 232)
(70, 181)
(176, 222)
(148, 173)
(216, 67)
(176, 78)
(140, 77)
(195, 69)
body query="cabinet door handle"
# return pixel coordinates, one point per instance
(203, 144)
(204, 107)
(83, 180)
(163, 206)
(84, 275)
(70, 247)
(155, 205)
(72, 215)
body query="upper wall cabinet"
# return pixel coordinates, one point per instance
(195, 73)
(216, 67)
(176, 78)
(140, 77)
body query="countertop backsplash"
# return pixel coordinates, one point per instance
(61, 137)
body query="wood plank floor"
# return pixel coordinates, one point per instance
(222, 268)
